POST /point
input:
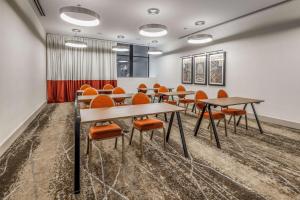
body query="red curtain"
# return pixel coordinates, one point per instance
(64, 90)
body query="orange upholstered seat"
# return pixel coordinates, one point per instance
(108, 87)
(148, 124)
(182, 98)
(186, 101)
(233, 112)
(166, 98)
(105, 131)
(145, 124)
(90, 91)
(119, 90)
(215, 115)
(84, 86)
(142, 88)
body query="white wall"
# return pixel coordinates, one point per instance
(264, 66)
(22, 64)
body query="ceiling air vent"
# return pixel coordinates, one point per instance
(39, 7)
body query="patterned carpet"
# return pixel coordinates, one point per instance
(250, 165)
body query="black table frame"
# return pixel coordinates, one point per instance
(77, 142)
(208, 106)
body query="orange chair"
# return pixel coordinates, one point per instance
(142, 88)
(108, 87)
(144, 125)
(215, 114)
(182, 98)
(156, 86)
(166, 98)
(90, 91)
(233, 112)
(119, 90)
(84, 86)
(106, 130)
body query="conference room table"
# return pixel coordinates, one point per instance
(88, 98)
(224, 103)
(119, 112)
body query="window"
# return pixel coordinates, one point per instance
(134, 63)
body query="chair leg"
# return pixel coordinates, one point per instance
(229, 119)
(141, 144)
(187, 105)
(164, 130)
(87, 144)
(131, 135)
(234, 123)
(208, 125)
(151, 135)
(116, 142)
(246, 120)
(218, 122)
(90, 151)
(225, 126)
(123, 148)
(211, 134)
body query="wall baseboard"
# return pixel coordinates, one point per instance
(272, 120)
(17, 132)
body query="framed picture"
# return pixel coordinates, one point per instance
(200, 69)
(216, 68)
(187, 70)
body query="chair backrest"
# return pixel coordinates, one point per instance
(181, 88)
(108, 87)
(200, 95)
(84, 86)
(90, 91)
(143, 86)
(163, 89)
(222, 94)
(156, 86)
(140, 98)
(102, 101)
(118, 90)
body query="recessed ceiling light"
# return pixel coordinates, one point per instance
(75, 44)
(120, 48)
(75, 30)
(154, 52)
(154, 41)
(120, 36)
(200, 39)
(199, 23)
(153, 30)
(153, 11)
(79, 16)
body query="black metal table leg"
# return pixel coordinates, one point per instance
(199, 120)
(77, 150)
(256, 117)
(186, 154)
(214, 127)
(238, 122)
(170, 126)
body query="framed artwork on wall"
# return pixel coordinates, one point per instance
(216, 68)
(200, 69)
(187, 70)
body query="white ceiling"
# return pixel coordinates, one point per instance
(125, 16)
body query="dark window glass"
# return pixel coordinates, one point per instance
(140, 66)
(134, 63)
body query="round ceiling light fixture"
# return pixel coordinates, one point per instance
(120, 36)
(75, 44)
(79, 16)
(200, 39)
(199, 23)
(154, 52)
(120, 48)
(153, 30)
(153, 11)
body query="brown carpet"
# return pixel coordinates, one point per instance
(250, 165)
